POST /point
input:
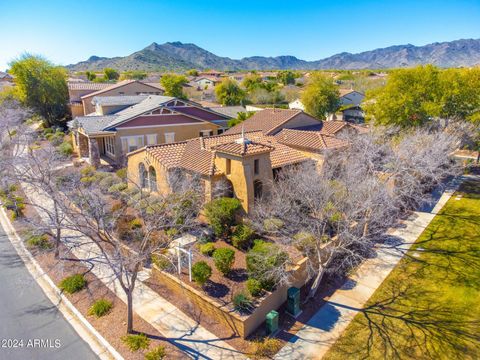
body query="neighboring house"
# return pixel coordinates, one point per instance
(205, 82)
(6, 77)
(122, 124)
(211, 73)
(271, 121)
(230, 111)
(122, 88)
(296, 104)
(350, 109)
(245, 159)
(82, 93)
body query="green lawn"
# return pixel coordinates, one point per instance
(429, 306)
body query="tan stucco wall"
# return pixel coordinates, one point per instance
(76, 110)
(242, 175)
(134, 162)
(301, 119)
(128, 89)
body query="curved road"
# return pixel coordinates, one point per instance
(31, 327)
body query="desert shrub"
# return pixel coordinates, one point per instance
(224, 258)
(87, 180)
(264, 262)
(100, 308)
(47, 131)
(87, 171)
(14, 203)
(267, 347)
(157, 353)
(108, 181)
(201, 272)
(162, 262)
(39, 241)
(221, 214)
(242, 236)
(56, 138)
(122, 173)
(242, 302)
(72, 284)
(65, 148)
(117, 188)
(136, 342)
(254, 287)
(207, 249)
(304, 241)
(272, 224)
(171, 233)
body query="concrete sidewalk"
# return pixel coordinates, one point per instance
(314, 339)
(179, 328)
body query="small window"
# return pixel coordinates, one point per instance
(169, 137)
(220, 131)
(206, 133)
(121, 93)
(229, 167)
(151, 139)
(256, 166)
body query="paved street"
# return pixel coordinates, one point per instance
(27, 315)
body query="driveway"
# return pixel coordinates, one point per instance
(31, 327)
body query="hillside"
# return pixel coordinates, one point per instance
(179, 56)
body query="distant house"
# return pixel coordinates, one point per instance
(205, 82)
(6, 77)
(124, 123)
(272, 121)
(350, 109)
(82, 93)
(230, 111)
(211, 73)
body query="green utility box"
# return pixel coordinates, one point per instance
(293, 301)
(272, 322)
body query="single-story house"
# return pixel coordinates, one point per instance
(205, 82)
(122, 124)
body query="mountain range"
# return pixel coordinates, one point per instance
(177, 56)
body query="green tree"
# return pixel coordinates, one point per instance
(41, 86)
(192, 72)
(286, 77)
(321, 96)
(241, 116)
(133, 75)
(228, 93)
(252, 82)
(173, 85)
(410, 97)
(111, 74)
(90, 75)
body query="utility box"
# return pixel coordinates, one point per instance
(293, 301)
(272, 322)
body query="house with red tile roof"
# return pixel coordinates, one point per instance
(124, 123)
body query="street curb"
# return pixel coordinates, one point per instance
(84, 329)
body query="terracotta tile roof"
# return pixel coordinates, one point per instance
(119, 85)
(266, 120)
(309, 140)
(87, 86)
(334, 126)
(198, 155)
(169, 155)
(246, 148)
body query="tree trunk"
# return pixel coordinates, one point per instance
(129, 312)
(316, 283)
(58, 239)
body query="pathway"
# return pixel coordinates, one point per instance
(179, 328)
(314, 339)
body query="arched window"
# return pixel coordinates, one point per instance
(142, 173)
(152, 176)
(257, 189)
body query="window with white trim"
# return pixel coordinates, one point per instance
(169, 137)
(110, 146)
(131, 143)
(151, 139)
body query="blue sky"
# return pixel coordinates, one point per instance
(70, 31)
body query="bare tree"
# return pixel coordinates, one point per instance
(129, 230)
(335, 214)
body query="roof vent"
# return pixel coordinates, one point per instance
(243, 139)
